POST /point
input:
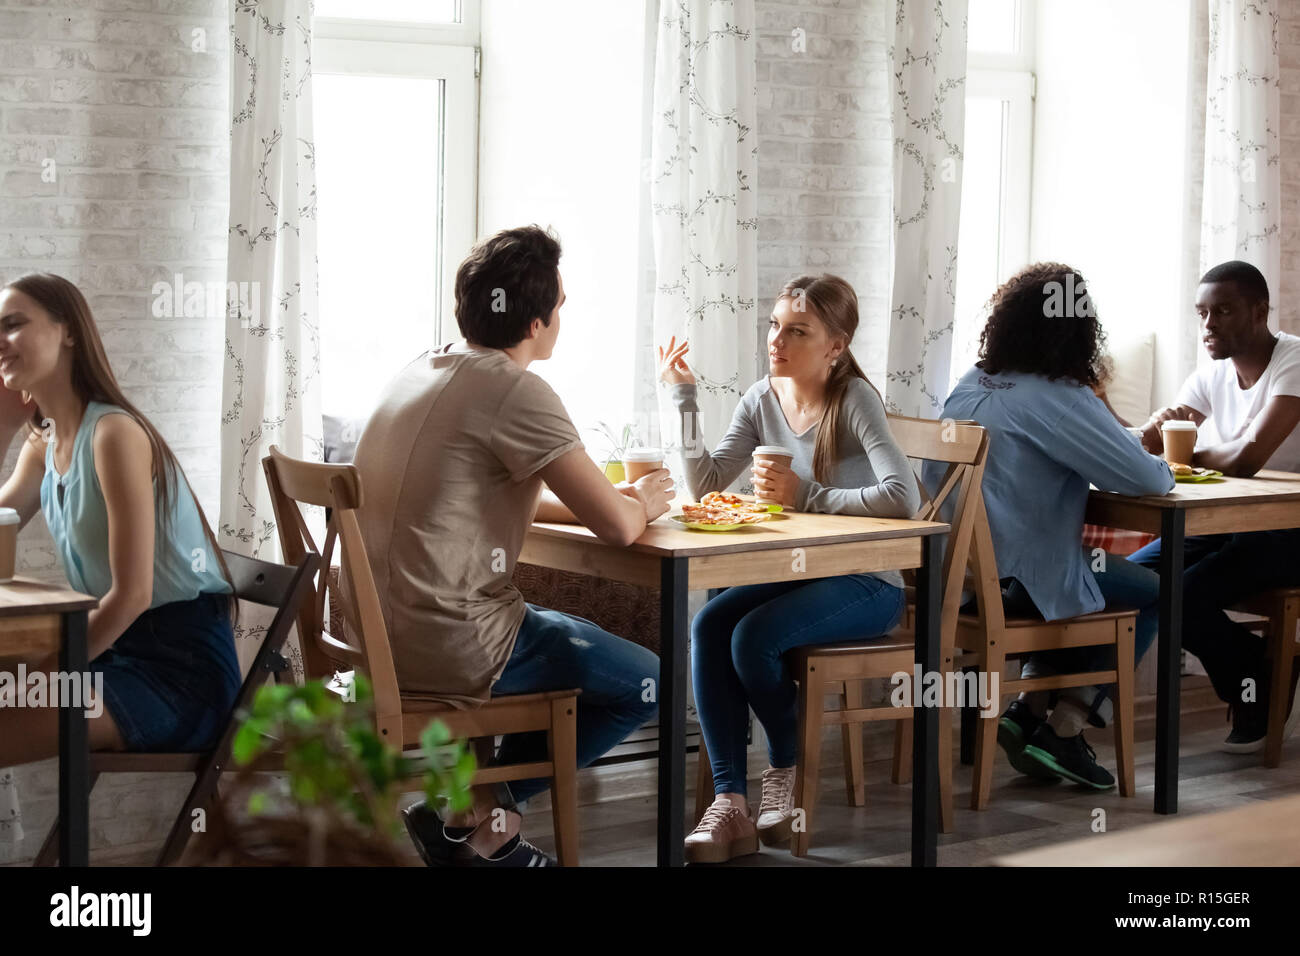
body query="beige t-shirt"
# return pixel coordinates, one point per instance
(449, 464)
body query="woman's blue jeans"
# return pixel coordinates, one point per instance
(737, 645)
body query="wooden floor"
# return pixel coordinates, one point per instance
(1023, 813)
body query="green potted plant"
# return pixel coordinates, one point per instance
(339, 804)
(615, 446)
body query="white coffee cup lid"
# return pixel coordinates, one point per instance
(773, 450)
(1178, 425)
(8, 516)
(643, 454)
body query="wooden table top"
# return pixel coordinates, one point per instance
(1266, 486)
(1264, 833)
(24, 596)
(667, 538)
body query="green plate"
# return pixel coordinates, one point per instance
(1209, 475)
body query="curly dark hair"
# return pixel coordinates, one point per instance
(1042, 321)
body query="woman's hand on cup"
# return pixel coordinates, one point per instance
(654, 491)
(774, 482)
(672, 366)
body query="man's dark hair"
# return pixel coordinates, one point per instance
(505, 283)
(1250, 281)
(1042, 321)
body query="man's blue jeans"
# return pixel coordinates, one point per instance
(737, 643)
(556, 651)
(1218, 571)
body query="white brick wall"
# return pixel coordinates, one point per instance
(824, 146)
(1289, 51)
(137, 124)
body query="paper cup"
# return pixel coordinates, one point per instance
(639, 462)
(1180, 441)
(778, 454)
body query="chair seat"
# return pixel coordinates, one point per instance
(114, 762)
(427, 703)
(896, 640)
(970, 620)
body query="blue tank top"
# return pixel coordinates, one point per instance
(183, 563)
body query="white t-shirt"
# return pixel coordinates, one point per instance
(1215, 393)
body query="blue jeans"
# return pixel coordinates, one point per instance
(1123, 584)
(556, 651)
(737, 643)
(1218, 571)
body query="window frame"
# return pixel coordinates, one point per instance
(447, 53)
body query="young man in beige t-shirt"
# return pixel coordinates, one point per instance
(453, 463)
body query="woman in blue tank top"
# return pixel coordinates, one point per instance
(127, 529)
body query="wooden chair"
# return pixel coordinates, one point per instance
(399, 716)
(1281, 610)
(993, 638)
(258, 582)
(844, 667)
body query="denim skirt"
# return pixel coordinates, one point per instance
(171, 679)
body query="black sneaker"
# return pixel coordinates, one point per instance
(1070, 757)
(1015, 727)
(429, 834)
(517, 852)
(1249, 728)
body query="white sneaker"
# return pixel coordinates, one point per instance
(776, 812)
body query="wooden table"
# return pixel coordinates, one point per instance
(676, 560)
(1264, 833)
(36, 620)
(1270, 501)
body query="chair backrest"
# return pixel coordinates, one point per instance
(285, 588)
(963, 447)
(337, 488)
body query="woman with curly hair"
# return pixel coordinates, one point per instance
(1042, 367)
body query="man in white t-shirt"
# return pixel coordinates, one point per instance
(1247, 403)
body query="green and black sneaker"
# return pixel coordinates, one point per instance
(1015, 727)
(1071, 757)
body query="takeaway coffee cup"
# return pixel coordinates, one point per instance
(1180, 441)
(639, 462)
(777, 454)
(8, 543)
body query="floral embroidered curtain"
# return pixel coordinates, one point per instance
(928, 90)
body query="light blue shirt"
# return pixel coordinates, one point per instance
(1047, 441)
(183, 563)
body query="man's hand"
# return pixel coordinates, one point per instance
(1152, 439)
(653, 491)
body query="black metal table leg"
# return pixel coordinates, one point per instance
(1168, 678)
(673, 583)
(925, 732)
(74, 750)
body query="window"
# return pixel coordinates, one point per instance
(993, 239)
(396, 132)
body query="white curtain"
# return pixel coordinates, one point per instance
(928, 95)
(271, 389)
(703, 169)
(1241, 209)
